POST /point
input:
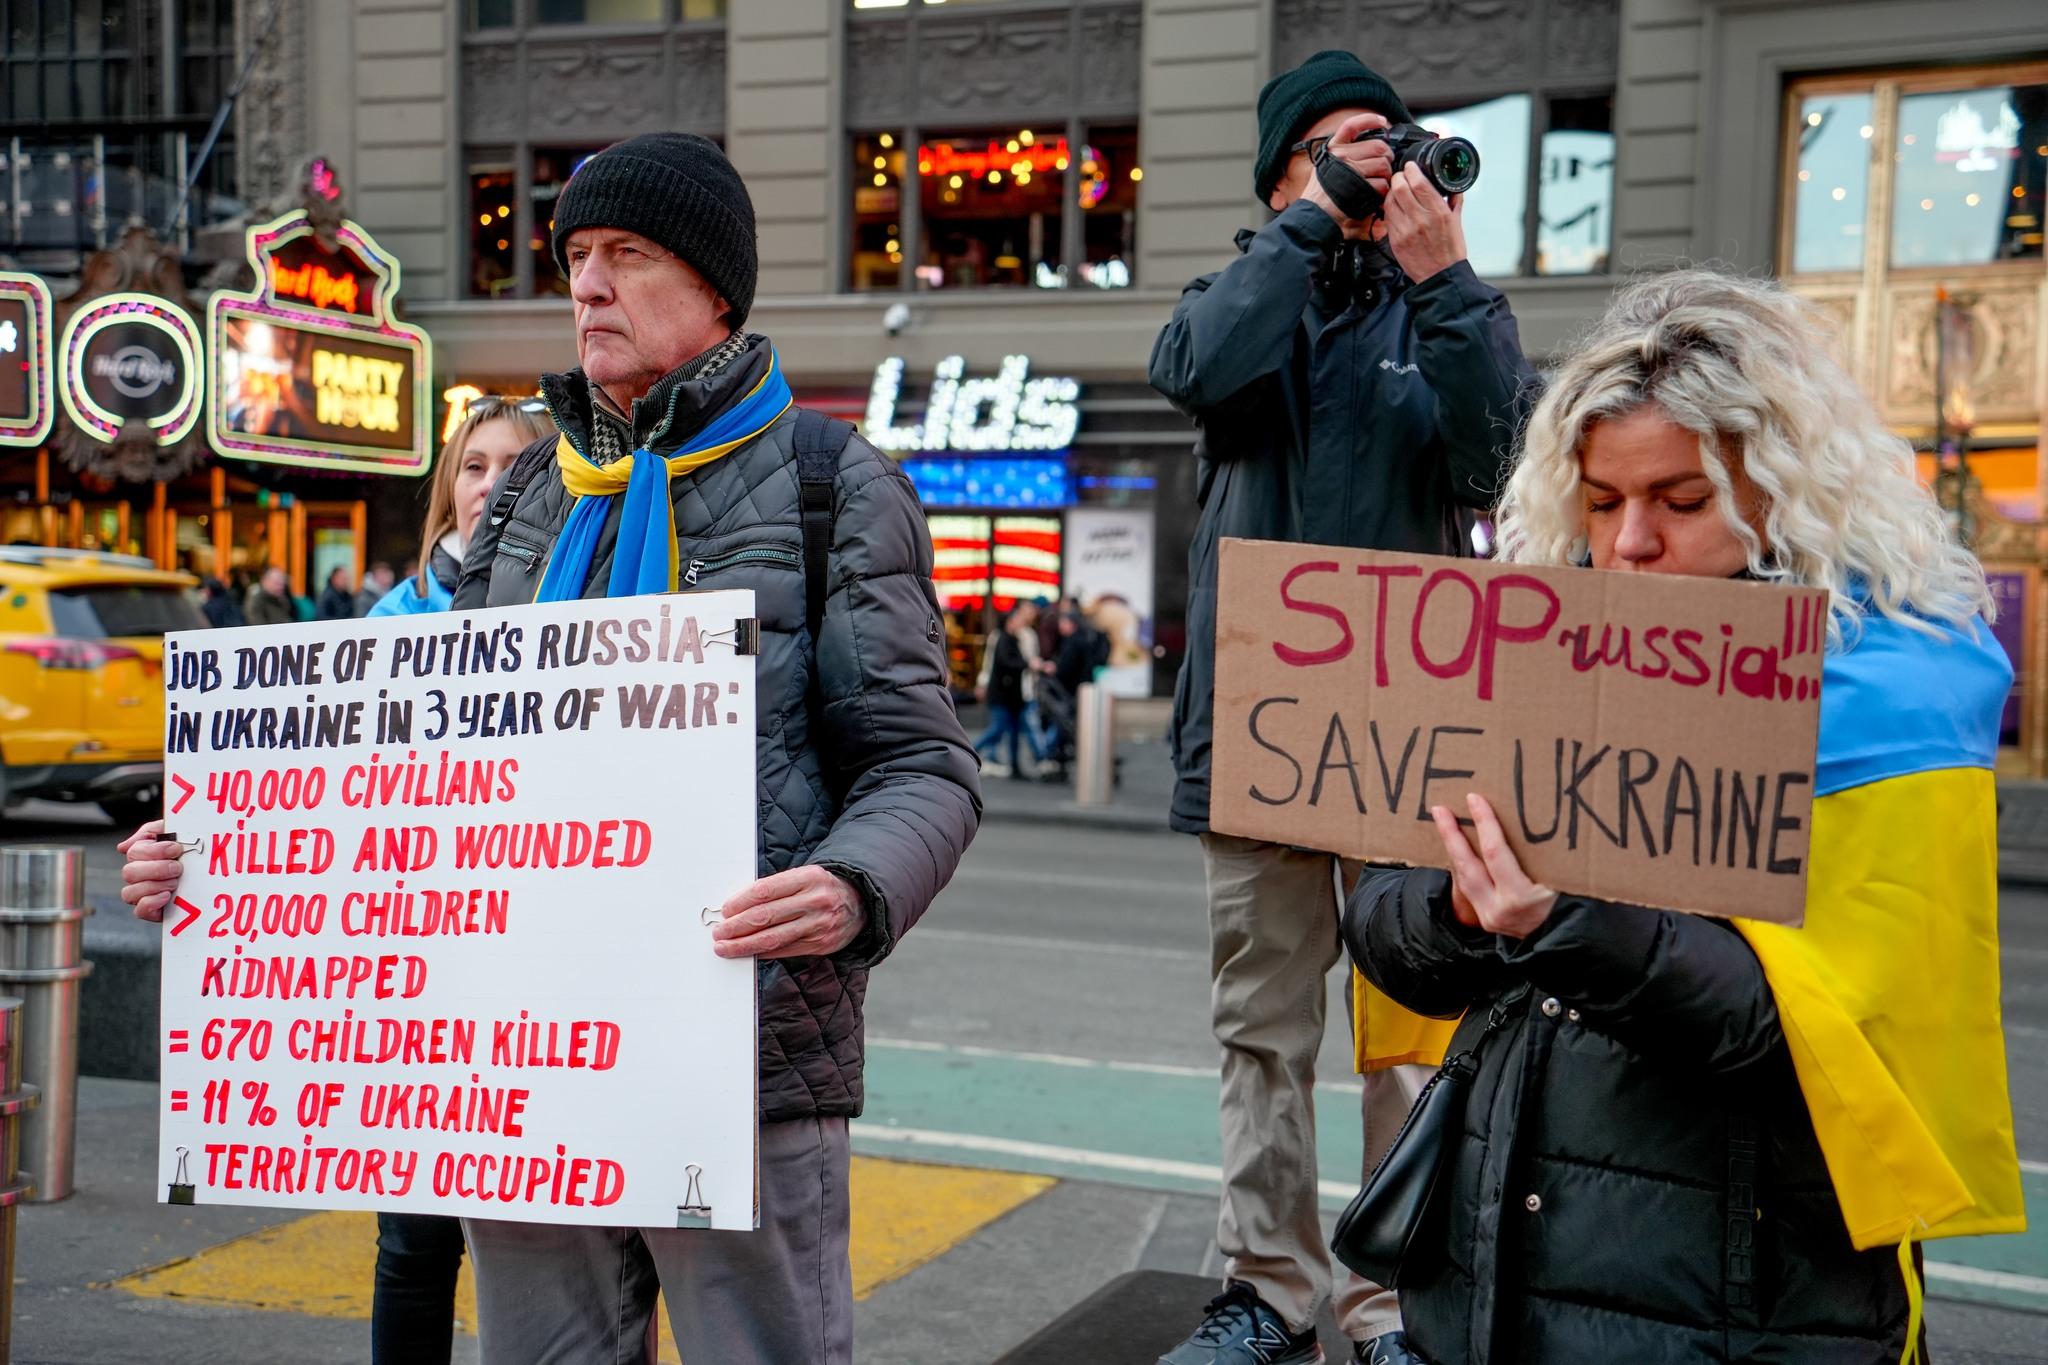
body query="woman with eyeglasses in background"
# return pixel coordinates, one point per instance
(493, 432)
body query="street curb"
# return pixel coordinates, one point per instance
(1088, 817)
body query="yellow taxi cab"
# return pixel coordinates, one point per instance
(81, 676)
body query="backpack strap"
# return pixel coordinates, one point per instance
(819, 442)
(531, 461)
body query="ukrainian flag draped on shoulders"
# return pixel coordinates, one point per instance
(644, 556)
(1889, 994)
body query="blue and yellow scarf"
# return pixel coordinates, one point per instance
(644, 558)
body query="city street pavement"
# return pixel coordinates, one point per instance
(1041, 1120)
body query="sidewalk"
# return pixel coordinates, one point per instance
(951, 1266)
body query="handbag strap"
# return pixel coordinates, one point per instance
(1495, 1021)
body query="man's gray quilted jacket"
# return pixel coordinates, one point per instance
(886, 791)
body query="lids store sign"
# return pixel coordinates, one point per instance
(1009, 410)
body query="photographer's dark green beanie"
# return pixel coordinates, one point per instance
(1293, 100)
(676, 189)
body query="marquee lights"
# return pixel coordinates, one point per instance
(1008, 411)
(132, 373)
(28, 412)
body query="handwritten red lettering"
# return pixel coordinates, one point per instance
(1309, 658)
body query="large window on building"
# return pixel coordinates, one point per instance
(1007, 207)
(1550, 154)
(505, 14)
(552, 167)
(508, 226)
(1831, 181)
(1965, 182)
(493, 199)
(1971, 167)
(104, 105)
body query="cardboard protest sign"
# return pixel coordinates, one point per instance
(441, 943)
(1644, 738)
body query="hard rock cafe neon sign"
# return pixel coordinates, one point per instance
(310, 283)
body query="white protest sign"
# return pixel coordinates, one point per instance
(440, 944)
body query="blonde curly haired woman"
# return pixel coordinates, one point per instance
(1704, 1140)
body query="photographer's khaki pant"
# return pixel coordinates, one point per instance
(1273, 939)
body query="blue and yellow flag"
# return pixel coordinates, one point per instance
(1889, 995)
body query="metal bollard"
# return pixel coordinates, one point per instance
(16, 1099)
(42, 944)
(1095, 746)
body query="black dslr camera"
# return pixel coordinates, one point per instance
(1450, 164)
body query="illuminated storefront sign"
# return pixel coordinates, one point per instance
(1007, 559)
(311, 369)
(26, 403)
(1007, 411)
(992, 481)
(132, 358)
(1012, 157)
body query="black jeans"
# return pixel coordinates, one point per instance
(412, 1317)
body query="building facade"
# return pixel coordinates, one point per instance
(976, 214)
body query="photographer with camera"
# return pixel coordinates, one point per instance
(1353, 383)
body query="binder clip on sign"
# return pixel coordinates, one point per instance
(181, 1180)
(693, 1212)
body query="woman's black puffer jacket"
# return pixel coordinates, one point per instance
(1638, 1179)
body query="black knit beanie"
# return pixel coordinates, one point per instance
(1293, 100)
(676, 189)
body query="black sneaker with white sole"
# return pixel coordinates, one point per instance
(1239, 1329)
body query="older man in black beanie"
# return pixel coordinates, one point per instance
(1354, 383)
(868, 791)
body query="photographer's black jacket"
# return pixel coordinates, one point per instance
(1364, 420)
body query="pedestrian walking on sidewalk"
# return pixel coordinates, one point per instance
(868, 787)
(270, 601)
(337, 600)
(1353, 383)
(377, 581)
(1700, 1139)
(1007, 682)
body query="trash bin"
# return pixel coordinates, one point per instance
(42, 961)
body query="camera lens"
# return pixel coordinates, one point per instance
(1452, 164)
